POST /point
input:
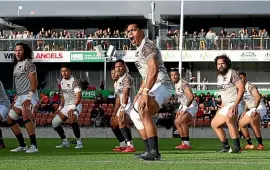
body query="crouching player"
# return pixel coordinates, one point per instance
(256, 110)
(70, 108)
(114, 118)
(126, 92)
(188, 108)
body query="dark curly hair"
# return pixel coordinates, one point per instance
(27, 54)
(174, 70)
(113, 68)
(225, 58)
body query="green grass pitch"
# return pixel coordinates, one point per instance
(97, 154)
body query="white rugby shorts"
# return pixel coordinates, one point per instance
(77, 110)
(192, 109)
(20, 99)
(261, 110)
(224, 111)
(161, 93)
(4, 112)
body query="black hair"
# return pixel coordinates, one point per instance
(120, 61)
(65, 66)
(225, 58)
(27, 54)
(113, 68)
(243, 74)
(139, 25)
(174, 70)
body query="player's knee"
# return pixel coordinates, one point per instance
(27, 116)
(28, 121)
(10, 122)
(56, 121)
(13, 115)
(135, 117)
(73, 119)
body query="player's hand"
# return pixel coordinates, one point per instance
(253, 113)
(233, 110)
(143, 102)
(136, 98)
(70, 113)
(27, 104)
(113, 116)
(122, 116)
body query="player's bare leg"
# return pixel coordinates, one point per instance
(184, 124)
(150, 128)
(56, 123)
(76, 130)
(217, 123)
(254, 122)
(11, 121)
(231, 121)
(30, 128)
(126, 132)
(179, 129)
(117, 132)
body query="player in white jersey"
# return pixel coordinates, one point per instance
(25, 78)
(256, 109)
(155, 90)
(4, 108)
(231, 90)
(69, 108)
(188, 108)
(114, 118)
(126, 92)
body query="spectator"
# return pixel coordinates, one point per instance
(204, 86)
(99, 99)
(111, 98)
(56, 98)
(102, 85)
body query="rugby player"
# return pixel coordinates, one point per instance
(69, 108)
(188, 108)
(156, 89)
(256, 109)
(231, 90)
(126, 92)
(114, 119)
(4, 108)
(25, 78)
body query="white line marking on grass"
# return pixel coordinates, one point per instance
(128, 162)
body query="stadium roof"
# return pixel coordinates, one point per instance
(131, 8)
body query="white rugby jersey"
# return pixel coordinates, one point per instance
(125, 81)
(248, 98)
(147, 49)
(180, 88)
(69, 89)
(226, 86)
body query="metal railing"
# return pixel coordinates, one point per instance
(195, 43)
(72, 44)
(164, 43)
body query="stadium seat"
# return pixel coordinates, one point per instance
(51, 115)
(44, 115)
(82, 115)
(43, 121)
(85, 106)
(37, 121)
(38, 115)
(91, 106)
(92, 101)
(104, 106)
(89, 111)
(110, 106)
(81, 121)
(87, 122)
(84, 111)
(87, 115)
(49, 121)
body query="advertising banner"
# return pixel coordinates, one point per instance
(85, 56)
(39, 56)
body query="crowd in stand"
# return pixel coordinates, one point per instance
(224, 40)
(198, 40)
